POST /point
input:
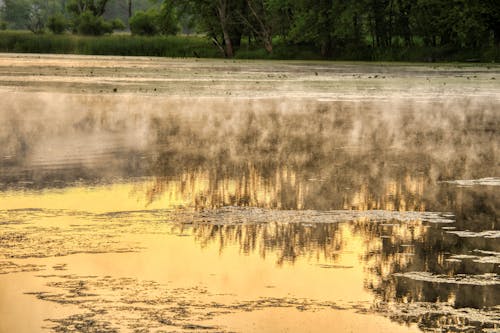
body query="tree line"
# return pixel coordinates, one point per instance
(326, 27)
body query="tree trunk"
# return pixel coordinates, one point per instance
(223, 17)
(496, 34)
(268, 45)
(228, 45)
(326, 48)
(101, 7)
(220, 47)
(81, 6)
(129, 8)
(263, 28)
(356, 29)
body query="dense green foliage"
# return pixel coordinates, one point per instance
(95, 7)
(144, 23)
(426, 30)
(119, 44)
(57, 23)
(162, 20)
(87, 17)
(362, 29)
(196, 46)
(88, 24)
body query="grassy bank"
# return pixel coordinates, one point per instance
(125, 45)
(196, 46)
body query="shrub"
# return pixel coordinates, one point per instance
(3, 25)
(22, 41)
(168, 22)
(118, 24)
(145, 23)
(125, 45)
(57, 23)
(89, 24)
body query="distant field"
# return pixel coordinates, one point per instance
(202, 47)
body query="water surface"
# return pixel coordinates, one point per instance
(250, 197)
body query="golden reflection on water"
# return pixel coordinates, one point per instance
(200, 189)
(285, 189)
(97, 199)
(322, 263)
(338, 244)
(402, 195)
(349, 263)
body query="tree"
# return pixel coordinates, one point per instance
(28, 14)
(491, 15)
(223, 11)
(219, 20)
(381, 22)
(429, 20)
(36, 18)
(125, 9)
(314, 22)
(57, 23)
(282, 16)
(96, 7)
(349, 25)
(88, 17)
(155, 21)
(89, 24)
(260, 21)
(16, 12)
(466, 25)
(168, 22)
(403, 20)
(144, 22)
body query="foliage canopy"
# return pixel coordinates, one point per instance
(355, 29)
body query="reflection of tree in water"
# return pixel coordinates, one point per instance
(344, 183)
(324, 155)
(418, 247)
(355, 157)
(389, 247)
(286, 241)
(424, 249)
(393, 247)
(348, 143)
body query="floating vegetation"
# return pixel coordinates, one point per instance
(443, 317)
(35, 239)
(9, 267)
(238, 215)
(479, 280)
(488, 181)
(486, 257)
(478, 234)
(111, 304)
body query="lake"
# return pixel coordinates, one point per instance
(186, 195)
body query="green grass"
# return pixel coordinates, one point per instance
(119, 44)
(196, 46)
(27, 42)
